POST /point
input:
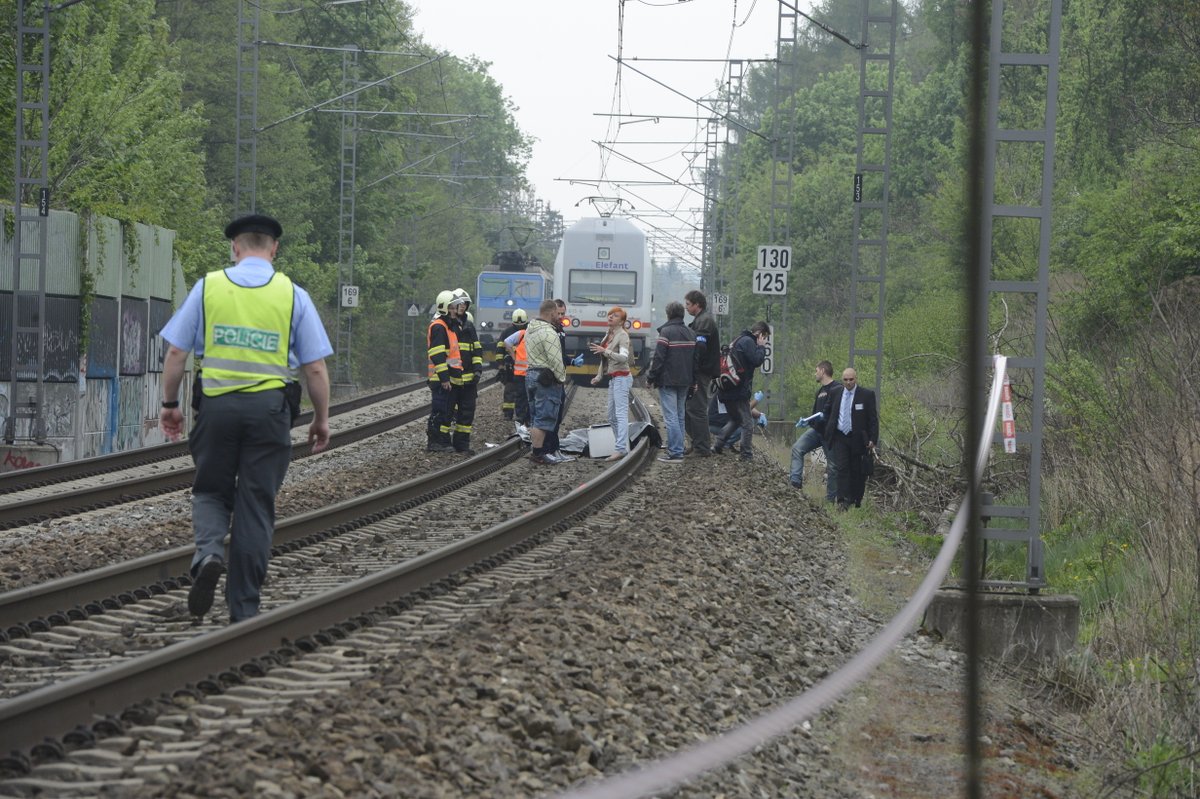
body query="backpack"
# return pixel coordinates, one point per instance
(729, 370)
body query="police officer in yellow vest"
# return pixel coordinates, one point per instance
(253, 330)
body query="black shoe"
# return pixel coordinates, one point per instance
(718, 449)
(200, 597)
(797, 486)
(439, 448)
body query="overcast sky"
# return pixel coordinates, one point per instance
(554, 59)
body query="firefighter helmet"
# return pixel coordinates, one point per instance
(444, 300)
(461, 295)
(519, 317)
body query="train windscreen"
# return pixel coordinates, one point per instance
(603, 287)
(518, 288)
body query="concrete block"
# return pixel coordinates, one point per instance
(13, 458)
(1013, 627)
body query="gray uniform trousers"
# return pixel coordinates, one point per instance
(241, 446)
(696, 419)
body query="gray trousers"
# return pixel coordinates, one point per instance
(241, 446)
(695, 421)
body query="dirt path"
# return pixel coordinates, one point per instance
(899, 735)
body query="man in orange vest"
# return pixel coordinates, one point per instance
(445, 369)
(512, 343)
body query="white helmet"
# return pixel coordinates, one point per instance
(470, 317)
(519, 317)
(461, 295)
(444, 300)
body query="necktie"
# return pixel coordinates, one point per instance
(844, 413)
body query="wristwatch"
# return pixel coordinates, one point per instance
(170, 404)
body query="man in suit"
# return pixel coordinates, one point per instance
(851, 433)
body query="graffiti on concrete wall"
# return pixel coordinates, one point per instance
(160, 314)
(102, 342)
(60, 358)
(133, 336)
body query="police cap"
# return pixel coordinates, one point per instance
(254, 223)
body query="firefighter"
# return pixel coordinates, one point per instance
(468, 390)
(513, 373)
(445, 374)
(514, 344)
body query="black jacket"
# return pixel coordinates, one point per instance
(708, 345)
(674, 356)
(864, 417)
(819, 405)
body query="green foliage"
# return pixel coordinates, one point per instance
(1166, 768)
(1135, 237)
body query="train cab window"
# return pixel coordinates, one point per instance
(602, 287)
(493, 288)
(527, 289)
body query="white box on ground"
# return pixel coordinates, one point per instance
(601, 441)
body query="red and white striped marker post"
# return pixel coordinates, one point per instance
(1006, 414)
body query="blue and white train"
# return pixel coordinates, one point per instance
(604, 262)
(514, 282)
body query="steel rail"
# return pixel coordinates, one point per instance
(102, 464)
(36, 509)
(54, 710)
(32, 606)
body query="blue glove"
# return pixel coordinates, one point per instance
(802, 423)
(577, 360)
(761, 421)
(758, 396)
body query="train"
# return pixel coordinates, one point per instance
(514, 281)
(603, 262)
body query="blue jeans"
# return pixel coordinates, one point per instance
(545, 402)
(673, 400)
(618, 410)
(805, 444)
(739, 417)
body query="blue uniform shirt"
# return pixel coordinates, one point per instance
(309, 342)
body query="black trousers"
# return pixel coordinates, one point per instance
(847, 452)
(464, 415)
(441, 413)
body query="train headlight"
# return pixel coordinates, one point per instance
(637, 325)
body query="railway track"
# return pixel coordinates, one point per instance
(52, 492)
(332, 573)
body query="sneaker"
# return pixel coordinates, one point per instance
(564, 457)
(671, 458)
(200, 597)
(616, 456)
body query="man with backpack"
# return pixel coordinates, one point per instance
(735, 385)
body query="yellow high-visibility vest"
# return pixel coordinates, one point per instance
(247, 333)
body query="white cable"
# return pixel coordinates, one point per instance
(683, 766)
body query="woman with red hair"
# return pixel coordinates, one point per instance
(614, 351)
